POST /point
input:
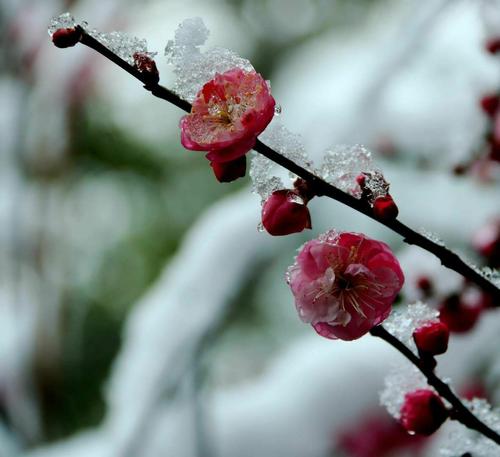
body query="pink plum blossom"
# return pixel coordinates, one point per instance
(344, 284)
(228, 114)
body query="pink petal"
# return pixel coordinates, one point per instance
(232, 152)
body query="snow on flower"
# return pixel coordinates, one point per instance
(344, 283)
(228, 114)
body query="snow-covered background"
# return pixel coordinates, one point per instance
(141, 312)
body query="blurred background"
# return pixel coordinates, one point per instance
(143, 314)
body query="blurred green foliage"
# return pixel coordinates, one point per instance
(166, 194)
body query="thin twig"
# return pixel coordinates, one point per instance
(460, 412)
(320, 187)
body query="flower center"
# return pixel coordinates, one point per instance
(220, 113)
(344, 283)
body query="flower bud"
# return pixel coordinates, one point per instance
(489, 104)
(493, 45)
(229, 171)
(432, 338)
(303, 189)
(424, 284)
(285, 212)
(146, 65)
(460, 317)
(65, 38)
(423, 412)
(361, 180)
(384, 208)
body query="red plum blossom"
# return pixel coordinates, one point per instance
(344, 284)
(227, 115)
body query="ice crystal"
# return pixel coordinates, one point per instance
(63, 21)
(123, 45)
(263, 181)
(342, 164)
(265, 173)
(462, 439)
(401, 380)
(402, 323)
(491, 274)
(120, 43)
(192, 67)
(287, 143)
(376, 184)
(431, 236)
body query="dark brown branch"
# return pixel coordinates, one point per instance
(320, 187)
(459, 411)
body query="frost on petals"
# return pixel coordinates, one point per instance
(344, 284)
(228, 114)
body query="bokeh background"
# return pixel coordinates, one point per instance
(141, 312)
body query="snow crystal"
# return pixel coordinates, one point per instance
(288, 144)
(194, 68)
(63, 21)
(491, 274)
(376, 184)
(342, 164)
(402, 323)
(401, 380)
(462, 439)
(263, 182)
(122, 45)
(265, 173)
(431, 236)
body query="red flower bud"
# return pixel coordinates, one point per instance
(458, 316)
(384, 208)
(361, 180)
(303, 189)
(493, 45)
(474, 389)
(285, 212)
(65, 38)
(145, 64)
(489, 104)
(230, 171)
(423, 412)
(425, 285)
(432, 338)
